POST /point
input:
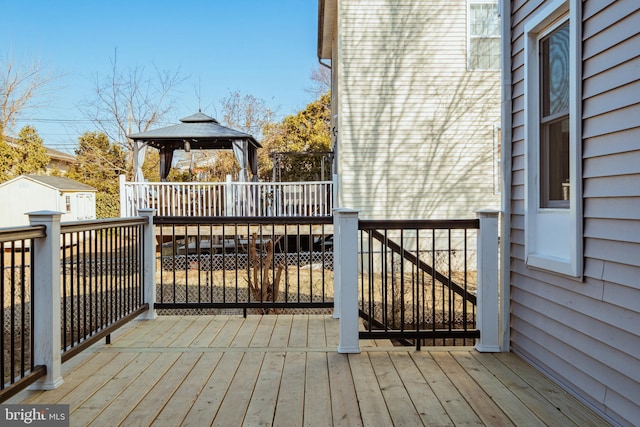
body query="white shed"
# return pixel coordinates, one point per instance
(28, 193)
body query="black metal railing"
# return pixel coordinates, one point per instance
(102, 281)
(418, 281)
(263, 264)
(16, 305)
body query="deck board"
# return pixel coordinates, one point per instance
(509, 403)
(372, 404)
(212, 394)
(265, 395)
(153, 402)
(316, 391)
(98, 399)
(343, 393)
(457, 408)
(290, 405)
(194, 329)
(236, 400)
(210, 331)
(173, 333)
(264, 332)
(185, 396)
(284, 370)
(478, 399)
(299, 329)
(525, 394)
(75, 378)
(559, 399)
(399, 404)
(246, 332)
(225, 337)
(127, 401)
(281, 332)
(317, 335)
(427, 405)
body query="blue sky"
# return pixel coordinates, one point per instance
(262, 48)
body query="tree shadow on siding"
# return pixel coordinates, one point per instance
(421, 142)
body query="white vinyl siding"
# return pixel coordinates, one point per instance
(416, 129)
(585, 334)
(22, 195)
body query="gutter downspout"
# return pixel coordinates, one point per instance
(505, 231)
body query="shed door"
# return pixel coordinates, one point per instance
(85, 206)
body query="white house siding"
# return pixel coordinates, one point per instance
(587, 334)
(415, 128)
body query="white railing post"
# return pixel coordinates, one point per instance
(229, 201)
(337, 266)
(149, 263)
(123, 196)
(487, 296)
(346, 221)
(46, 299)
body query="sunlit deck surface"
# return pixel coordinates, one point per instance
(284, 370)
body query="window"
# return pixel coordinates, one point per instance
(554, 120)
(553, 193)
(483, 44)
(67, 202)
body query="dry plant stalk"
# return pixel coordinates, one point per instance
(260, 285)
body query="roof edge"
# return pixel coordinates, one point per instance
(35, 178)
(327, 17)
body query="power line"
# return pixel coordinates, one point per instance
(49, 120)
(54, 120)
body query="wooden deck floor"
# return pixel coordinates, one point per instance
(284, 371)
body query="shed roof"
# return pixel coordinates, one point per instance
(57, 182)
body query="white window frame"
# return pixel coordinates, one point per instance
(469, 36)
(553, 236)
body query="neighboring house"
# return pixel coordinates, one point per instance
(571, 252)
(28, 193)
(197, 162)
(58, 160)
(415, 105)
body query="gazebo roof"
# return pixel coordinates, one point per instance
(198, 132)
(202, 132)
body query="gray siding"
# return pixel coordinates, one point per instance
(416, 129)
(587, 334)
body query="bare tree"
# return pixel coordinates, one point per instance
(246, 113)
(130, 101)
(321, 81)
(22, 87)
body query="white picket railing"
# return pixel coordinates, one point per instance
(313, 198)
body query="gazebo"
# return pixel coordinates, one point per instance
(197, 131)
